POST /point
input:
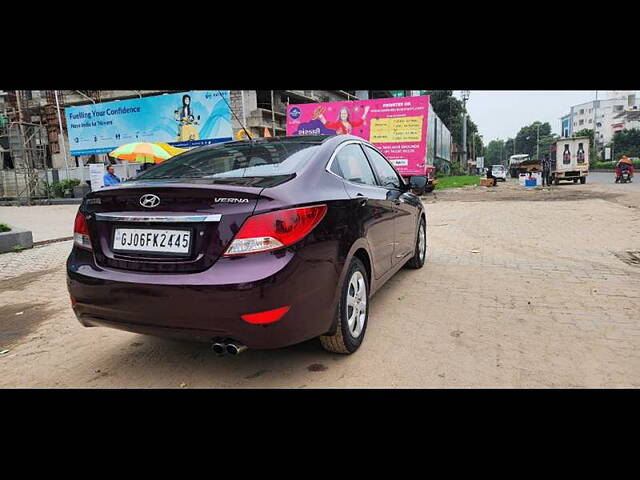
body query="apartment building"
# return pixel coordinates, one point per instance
(603, 112)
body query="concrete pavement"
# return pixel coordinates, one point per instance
(48, 222)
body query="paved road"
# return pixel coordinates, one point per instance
(515, 301)
(606, 178)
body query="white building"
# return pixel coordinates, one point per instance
(605, 111)
(627, 120)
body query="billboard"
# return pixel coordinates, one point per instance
(187, 119)
(396, 126)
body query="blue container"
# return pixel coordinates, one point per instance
(529, 183)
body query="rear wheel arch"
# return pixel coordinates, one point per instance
(358, 250)
(363, 256)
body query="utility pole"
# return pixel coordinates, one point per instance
(273, 113)
(538, 143)
(595, 126)
(465, 97)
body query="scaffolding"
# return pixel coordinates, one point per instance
(29, 134)
(28, 150)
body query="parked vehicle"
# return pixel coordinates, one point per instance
(523, 163)
(499, 172)
(261, 244)
(570, 160)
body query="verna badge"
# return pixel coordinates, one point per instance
(149, 200)
(230, 200)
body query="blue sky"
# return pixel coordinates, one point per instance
(501, 113)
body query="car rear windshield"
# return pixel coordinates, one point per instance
(246, 163)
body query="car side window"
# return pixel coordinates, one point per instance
(351, 164)
(388, 176)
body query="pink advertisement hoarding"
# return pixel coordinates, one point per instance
(396, 126)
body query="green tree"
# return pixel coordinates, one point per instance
(627, 142)
(450, 110)
(508, 148)
(527, 138)
(495, 153)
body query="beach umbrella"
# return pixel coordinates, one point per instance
(141, 152)
(171, 150)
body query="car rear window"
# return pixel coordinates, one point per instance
(236, 162)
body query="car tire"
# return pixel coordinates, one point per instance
(420, 255)
(348, 336)
(583, 180)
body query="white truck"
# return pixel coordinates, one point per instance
(570, 160)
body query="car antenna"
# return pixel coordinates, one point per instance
(234, 114)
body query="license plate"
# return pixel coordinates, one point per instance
(152, 240)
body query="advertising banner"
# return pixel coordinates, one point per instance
(396, 126)
(96, 176)
(187, 119)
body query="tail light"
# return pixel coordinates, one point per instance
(262, 318)
(81, 232)
(273, 230)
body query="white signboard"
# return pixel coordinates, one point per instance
(96, 175)
(479, 162)
(607, 153)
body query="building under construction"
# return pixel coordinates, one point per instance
(34, 148)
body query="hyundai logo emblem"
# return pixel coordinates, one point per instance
(149, 200)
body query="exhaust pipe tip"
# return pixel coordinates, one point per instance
(235, 348)
(218, 348)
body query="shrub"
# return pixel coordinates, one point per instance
(611, 165)
(65, 187)
(4, 228)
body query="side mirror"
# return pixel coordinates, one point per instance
(417, 182)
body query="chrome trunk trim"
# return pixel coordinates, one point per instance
(121, 217)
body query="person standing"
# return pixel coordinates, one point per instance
(110, 177)
(546, 171)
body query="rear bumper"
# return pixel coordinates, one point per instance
(208, 305)
(572, 174)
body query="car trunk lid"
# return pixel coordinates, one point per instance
(167, 228)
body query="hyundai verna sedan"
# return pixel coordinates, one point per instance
(253, 244)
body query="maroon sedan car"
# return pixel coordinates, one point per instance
(253, 244)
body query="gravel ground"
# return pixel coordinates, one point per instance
(523, 288)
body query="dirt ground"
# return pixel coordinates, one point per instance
(523, 288)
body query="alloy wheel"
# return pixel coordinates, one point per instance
(356, 304)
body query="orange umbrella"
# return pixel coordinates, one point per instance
(141, 152)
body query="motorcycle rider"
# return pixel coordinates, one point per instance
(624, 163)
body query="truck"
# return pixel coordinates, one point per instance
(523, 163)
(570, 159)
(406, 130)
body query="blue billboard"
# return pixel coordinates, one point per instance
(187, 119)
